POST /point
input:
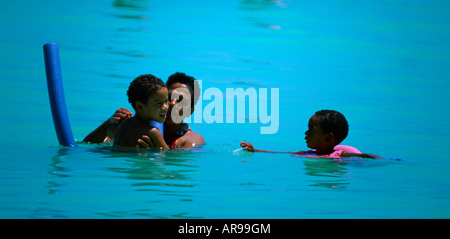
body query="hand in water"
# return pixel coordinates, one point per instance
(247, 146)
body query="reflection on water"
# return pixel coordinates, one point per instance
(253, 7)
(131, 9)
(133, 14)
(128, 53)
(398, 52)
(156, 166)
(261, 23)
(57, 170)
(333, 173)
(152, 177)
(261, 4)
(326, 173)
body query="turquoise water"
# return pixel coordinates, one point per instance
(383, 64)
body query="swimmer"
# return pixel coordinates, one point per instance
(326, 129)
(148, 96)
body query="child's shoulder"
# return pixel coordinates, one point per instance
(130, 131)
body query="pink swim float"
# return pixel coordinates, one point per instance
(338, 149)
(346, 148)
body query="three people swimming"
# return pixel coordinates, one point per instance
(153, 100)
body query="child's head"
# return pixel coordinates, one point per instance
(148, 96)
(326, 128)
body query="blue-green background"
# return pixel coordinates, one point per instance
(383, 64)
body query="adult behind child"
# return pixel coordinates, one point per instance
(184, 93)
(176, 134)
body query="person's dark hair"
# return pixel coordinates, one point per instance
(333, 121)
(190, 81)
(143, 87)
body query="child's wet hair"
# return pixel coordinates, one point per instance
(143, 87)
(333, 121)
(190, 81)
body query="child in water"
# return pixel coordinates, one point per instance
(326, 129)
(148, 96)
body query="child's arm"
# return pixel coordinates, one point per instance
(107, 129)
(195, 140)
(249, 147)
(156, 139)
(362, 155)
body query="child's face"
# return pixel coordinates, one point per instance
(156, 106)
(315, 138)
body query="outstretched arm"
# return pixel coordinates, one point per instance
(106, 131)
(249, 147)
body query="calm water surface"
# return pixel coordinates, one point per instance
(383, 64)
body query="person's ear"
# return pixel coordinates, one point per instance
(329, 137)
(139, 106)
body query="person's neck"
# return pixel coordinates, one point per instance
(170, 132)
(325, 151)
(141, 120)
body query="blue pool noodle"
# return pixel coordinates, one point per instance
(56, 95)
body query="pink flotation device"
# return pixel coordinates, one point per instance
(346, 148)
